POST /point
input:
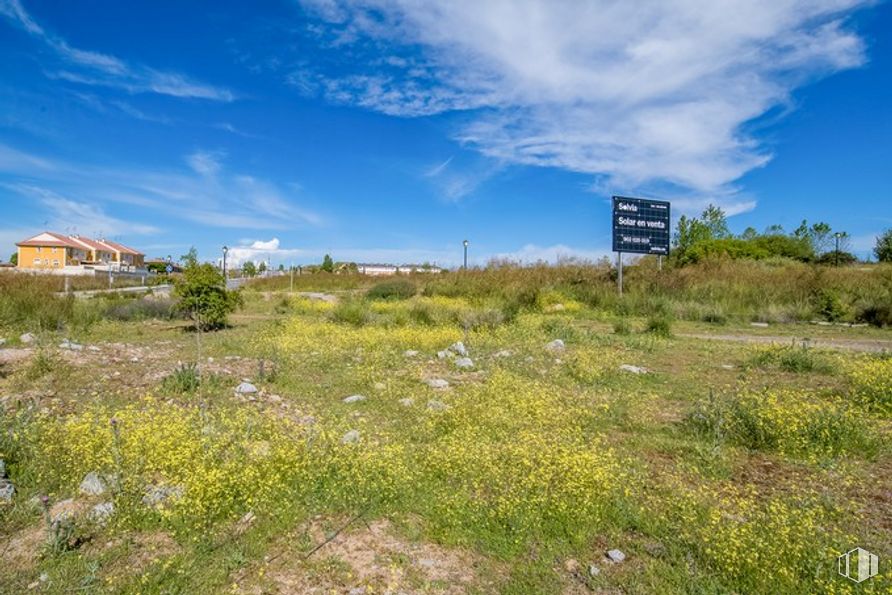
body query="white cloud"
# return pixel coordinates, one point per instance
(205, 194)
(638, 93)
(105, 70)
(74, 216)
(206, 163)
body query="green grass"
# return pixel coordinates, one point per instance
(538, 457)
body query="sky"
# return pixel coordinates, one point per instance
(391, 130)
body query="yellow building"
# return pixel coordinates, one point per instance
(49, 250)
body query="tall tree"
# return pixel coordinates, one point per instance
(327, 264)
(249, 269)
(716, 222)
(883, 248)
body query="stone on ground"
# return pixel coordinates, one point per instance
(407, 402)
(555, 346)
(350, 437)
(27, 338)
(615, 556)
(633, 369)
(354, 399)
(92, 485)
(245, 388)
(459, 348)
(464, 362)
(437, 383)
(410, 353)
(435, 405)
(101, 512)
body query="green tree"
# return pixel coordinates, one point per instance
(262, 268)
(716, 222)
(190, 257)
(882, 250)
(14, 259)
(327, 264)
(249, 269)
(749, 234)
(281, 268)
(202, 295)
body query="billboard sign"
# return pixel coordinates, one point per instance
(640, 225)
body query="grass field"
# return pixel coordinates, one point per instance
(374, 459)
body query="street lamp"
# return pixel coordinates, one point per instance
(465, 244)
(837, 235)
(225, 251)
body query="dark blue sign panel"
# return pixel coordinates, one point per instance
(640, 225)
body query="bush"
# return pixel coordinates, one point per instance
(622, 327)
(879, 315)
(871, 382)
(141, 309)
(354, 312)
(792, 359)
(830, 306)
(660, 325)
(792, 422)
(397, 289)
(183, 380)
(204, 297)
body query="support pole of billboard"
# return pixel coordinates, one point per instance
(660, 262)
(619, 268)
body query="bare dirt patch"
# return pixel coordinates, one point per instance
(370, 558)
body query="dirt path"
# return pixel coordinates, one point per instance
(865, 345)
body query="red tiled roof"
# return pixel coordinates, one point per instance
(54, 240)
(120, 247)
(90, 243)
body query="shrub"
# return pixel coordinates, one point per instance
(204, 297)
(622, 327)
(830, 306)
(141, 309)
(183, 380)
(792, 359)
(871, 384)
(397, 289)
(660, 325)
(879, 315)
(352, 311)
(793, 422)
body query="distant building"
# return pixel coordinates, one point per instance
(72, 254)
(392, 269)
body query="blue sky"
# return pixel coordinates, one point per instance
(390, 130)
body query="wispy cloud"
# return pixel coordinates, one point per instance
(72, 215)
(202, 191)
(640, 95)
(96, 68)
(206, 163)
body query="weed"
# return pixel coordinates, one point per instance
(397, 289)
(799, 360)
(659, 325)
(183, 380)
(621, 326)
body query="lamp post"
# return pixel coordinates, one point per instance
(225, 251)
(465, 244)
(837, 235)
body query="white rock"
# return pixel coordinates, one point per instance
(27, 338)
(101, 512)
(157, 496)
(555, 346)
(93, 348)
(435, 405)
(354, 399)
(245, 388)
(445, 354)
(593, 570)
(7, 490)
(459, 348)
(410, 353)
(616, 556)
(92, 485)
(633, 369)
(380, 386)
(407, 402)
(464, 362)
(759, 324)
(350, 437)
(437, 383)
(69, 344)
(727, 367)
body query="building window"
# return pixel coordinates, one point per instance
(54, 249)
(37, 262)
(55, 262)
(38, 248)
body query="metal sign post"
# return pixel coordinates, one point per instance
(619, 268)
